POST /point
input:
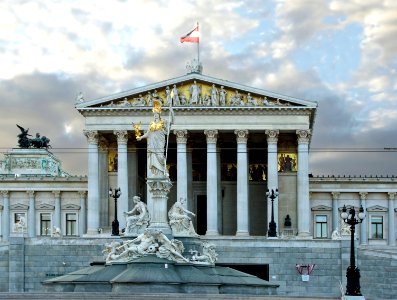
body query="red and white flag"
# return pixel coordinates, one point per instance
(192, 36)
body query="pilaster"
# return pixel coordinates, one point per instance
(5, 226)
(32, 215)
(335, 212)
(57, 210)
(363, 225)
(391, 218)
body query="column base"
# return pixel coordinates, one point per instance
(212, 232)
(345, 297)
(304, 235)
(91, 232)
(242, 233)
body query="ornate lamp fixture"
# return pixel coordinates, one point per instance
(352, 273)
(115, 223)
(272, 232)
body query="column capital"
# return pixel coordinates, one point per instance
(335, 195)
(392, 195)
(82, 194)
(4, 193)
(212, 135)
(57, 194)
(92, 136)
(181, 136)
(303, 136)
(242, 135)
(272, 136)
(30, 193)
(363, 195)
(122, 136)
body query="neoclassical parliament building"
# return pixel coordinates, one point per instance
(228, 144)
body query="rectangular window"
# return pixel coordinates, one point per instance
(45, 224)
(377, 227)
(71, 219)
(321, 226)
(19, 222)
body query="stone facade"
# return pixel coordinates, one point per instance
(225, 150)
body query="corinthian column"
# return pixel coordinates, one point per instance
(363, 225)
(181, 139)
(122, 175)
(272, 171)
(32, 215)
(242, 183)
(93, 182)
(304, 219)
(391, 215)
(212, 192)
(5, 226)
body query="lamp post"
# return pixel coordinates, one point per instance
(115, 223)
(272, 232)
(352, 273)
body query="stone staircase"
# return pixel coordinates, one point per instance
(384, 280)
(118, 296)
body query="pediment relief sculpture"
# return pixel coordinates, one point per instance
(196, 93)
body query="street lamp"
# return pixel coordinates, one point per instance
(272, 232)
(352, 273)
(115, 223)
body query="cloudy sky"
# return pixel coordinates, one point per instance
(342, 54)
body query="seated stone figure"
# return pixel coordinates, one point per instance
(180, 222)
(137, 219)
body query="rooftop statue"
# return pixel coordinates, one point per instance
(37, 142)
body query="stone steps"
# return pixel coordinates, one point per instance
(118, 296)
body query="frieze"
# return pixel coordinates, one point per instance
(195, 93)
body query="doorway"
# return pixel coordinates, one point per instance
(201, 215)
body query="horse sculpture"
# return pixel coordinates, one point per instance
(37, 142)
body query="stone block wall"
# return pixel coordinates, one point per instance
(282, 255)
(25, 263)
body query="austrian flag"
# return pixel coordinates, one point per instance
(192, 36)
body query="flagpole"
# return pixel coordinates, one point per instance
(198, 45)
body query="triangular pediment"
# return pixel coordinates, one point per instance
(236, 95)
(321, 208)
(70, 207)
(19, 206)
(377, 208)
(45, 206)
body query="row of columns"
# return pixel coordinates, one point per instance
(213, 162)
(364, 225)
(31, 214)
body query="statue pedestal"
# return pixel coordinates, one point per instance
(159, 189)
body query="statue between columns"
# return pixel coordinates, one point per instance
(156, 135)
